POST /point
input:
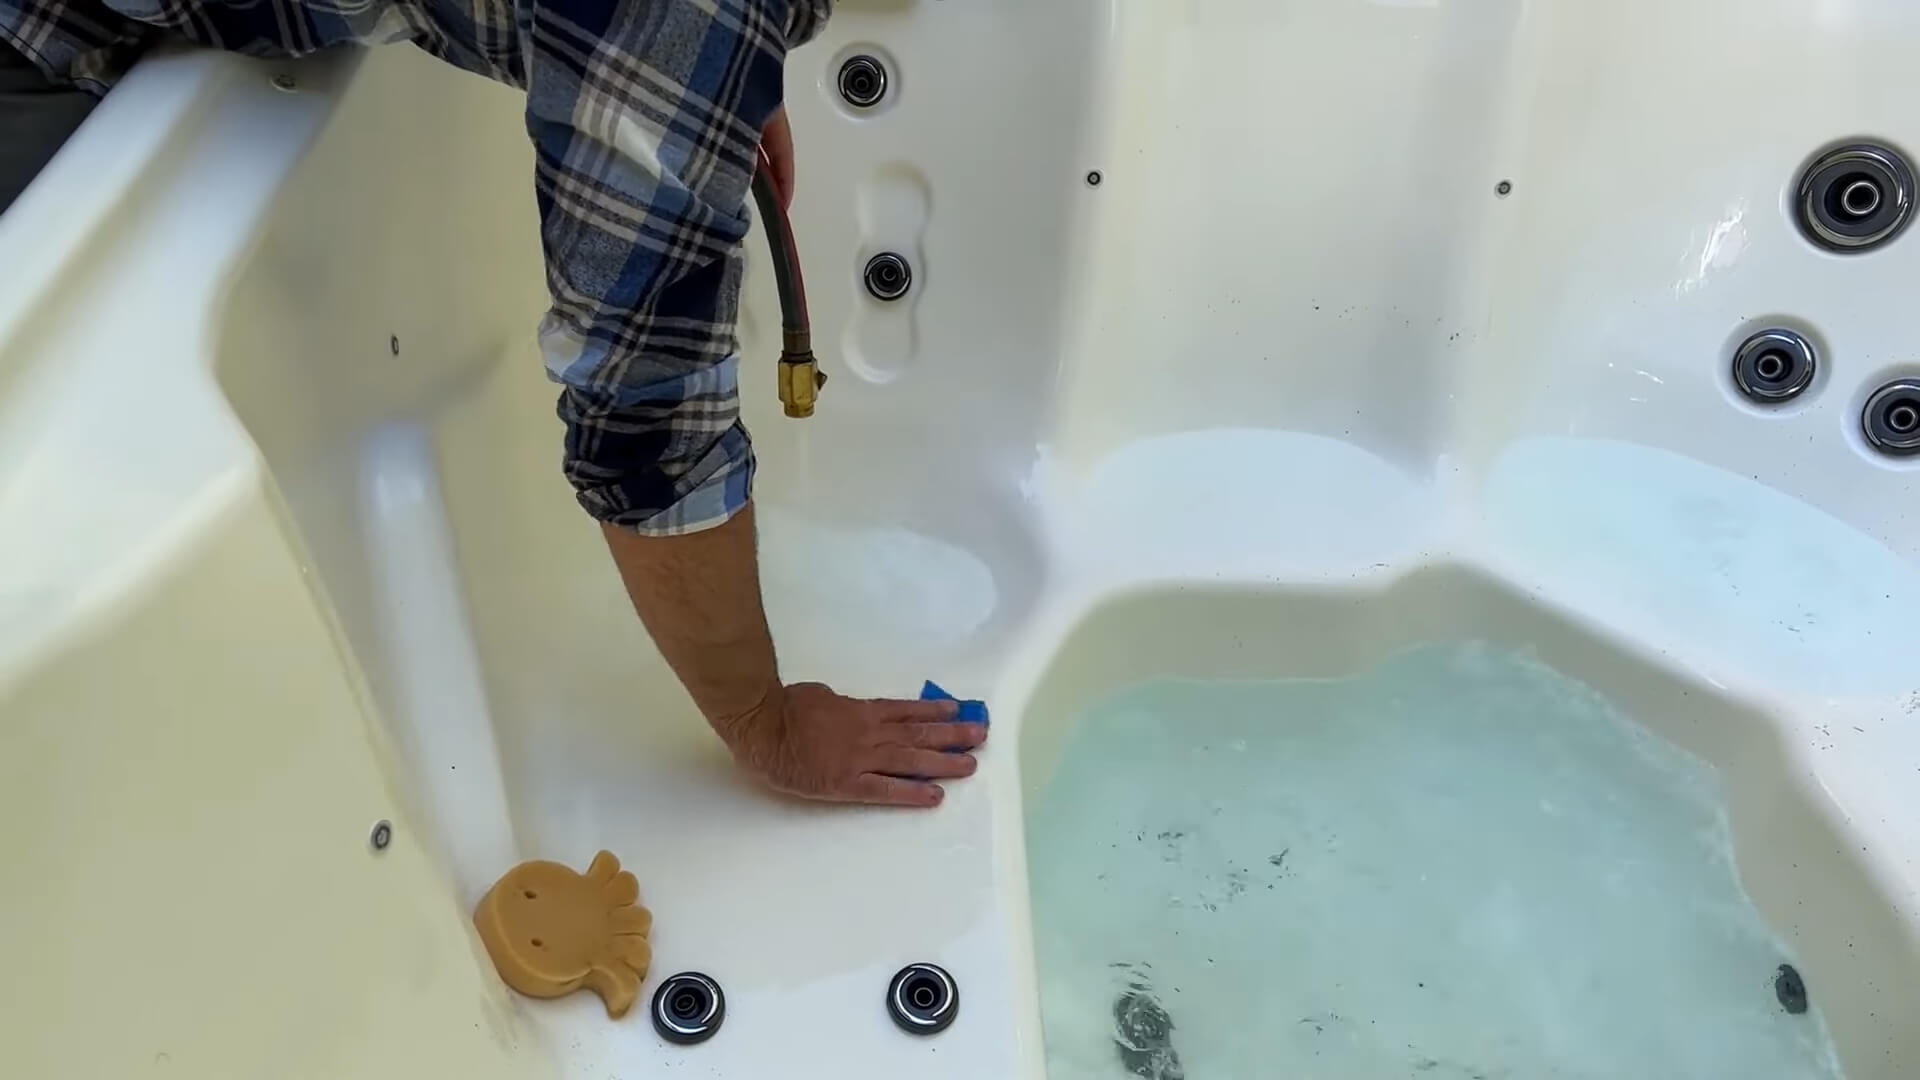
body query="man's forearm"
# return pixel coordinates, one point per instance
(699, 596)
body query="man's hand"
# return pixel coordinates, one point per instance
(777, 140)
(808, 741)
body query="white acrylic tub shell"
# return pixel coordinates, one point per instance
(284, 550)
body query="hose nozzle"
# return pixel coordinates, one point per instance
(800, 374)
(800, 380)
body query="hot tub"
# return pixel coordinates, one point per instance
(1245, 342)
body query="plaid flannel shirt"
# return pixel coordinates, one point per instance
(645, 117)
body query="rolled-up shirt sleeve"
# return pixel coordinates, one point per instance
(645, 118)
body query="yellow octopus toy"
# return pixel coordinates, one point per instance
(551, 931)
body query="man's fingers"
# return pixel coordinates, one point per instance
(921, 712)
(894, 791)
(936, 736)
(932, 764)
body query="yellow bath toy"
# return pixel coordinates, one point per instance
(551, 931)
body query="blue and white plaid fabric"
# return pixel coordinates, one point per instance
(645, 117)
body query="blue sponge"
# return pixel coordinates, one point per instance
(971, 712)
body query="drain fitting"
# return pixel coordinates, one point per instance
(888, 276)
(1143, 1035)
(863, 82)
(1774, 366)
(688, 1008)
(1790, 989)
(1855, 198)
(923, 999)
(1891, 420)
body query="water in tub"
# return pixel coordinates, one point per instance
(1457, 865)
